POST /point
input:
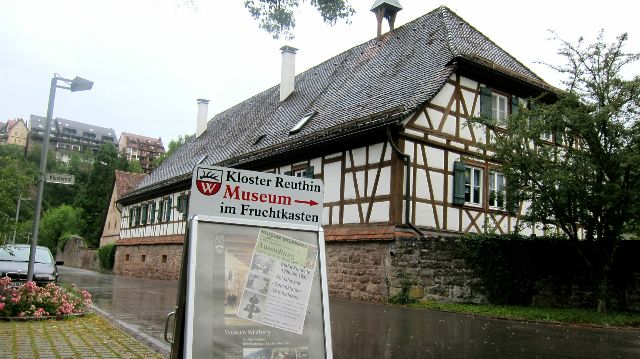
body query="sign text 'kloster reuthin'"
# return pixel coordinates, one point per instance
(263, 196)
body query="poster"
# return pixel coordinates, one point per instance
(276, 292)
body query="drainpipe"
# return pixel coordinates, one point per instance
(407, 184)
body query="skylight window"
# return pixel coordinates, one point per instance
(302, 122)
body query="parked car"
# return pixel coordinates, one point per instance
(14, 263)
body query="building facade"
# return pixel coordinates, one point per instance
(386, 125)
(14, 132)
(141, 148)
(67, 137)
(124, 182)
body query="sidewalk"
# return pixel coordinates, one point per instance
(85, 337)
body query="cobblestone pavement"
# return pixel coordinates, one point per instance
(85, 337)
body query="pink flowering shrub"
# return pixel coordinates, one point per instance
(29, 300)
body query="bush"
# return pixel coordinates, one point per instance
(107, 256)
(30, 300)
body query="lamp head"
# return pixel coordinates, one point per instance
(80, 84)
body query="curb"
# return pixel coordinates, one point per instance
(162, 348)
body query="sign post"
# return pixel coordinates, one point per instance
(256, 279)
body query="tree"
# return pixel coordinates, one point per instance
(135, 167)
(57, 222)
(17, 179)
(94, 197)
(277, 18)
(587, 183)
(172, 148)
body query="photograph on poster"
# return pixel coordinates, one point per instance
(238, 251)
(282, 270)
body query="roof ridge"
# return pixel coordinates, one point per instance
(487, 38)
(445, 12)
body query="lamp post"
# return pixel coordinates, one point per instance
(15, 228)
(77, 84)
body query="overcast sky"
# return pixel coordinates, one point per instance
(151, 59)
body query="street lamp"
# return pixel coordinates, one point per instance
(20, 199)
(77, 84)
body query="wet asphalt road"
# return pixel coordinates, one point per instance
(362, 330)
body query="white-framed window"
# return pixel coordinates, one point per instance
(496, 189)
(499, 107)
(299, 173)
(473, 185)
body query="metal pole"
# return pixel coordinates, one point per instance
(43, 168)
(13, 240)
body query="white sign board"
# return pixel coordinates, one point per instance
(232, 193)
(256, 278)
(60, 178)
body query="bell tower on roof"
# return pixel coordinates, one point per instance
(386, 9)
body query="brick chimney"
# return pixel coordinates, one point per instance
(386, 9)
(288, 71)
(203, 113)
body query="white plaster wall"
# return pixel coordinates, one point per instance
(379, 212)
(332, 182)
(351, 214)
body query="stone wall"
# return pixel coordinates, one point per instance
(357, 270)
(159, 261)
(433, 270)
(75, 254)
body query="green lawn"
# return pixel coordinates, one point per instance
(581, 316)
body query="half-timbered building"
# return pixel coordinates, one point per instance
(386, 126)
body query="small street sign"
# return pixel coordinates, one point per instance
(60, 178)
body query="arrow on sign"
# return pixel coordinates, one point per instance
(309, 202)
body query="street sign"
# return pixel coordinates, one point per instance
(256, 280)
(60, 178)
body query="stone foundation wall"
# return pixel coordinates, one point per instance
(357, 270)
(433, 271)
(75, 254)
(159, 261)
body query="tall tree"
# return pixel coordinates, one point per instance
(17, 179)
(171, 149)
(277, 16)
(587, 182)
(57, 222)
(94, 197)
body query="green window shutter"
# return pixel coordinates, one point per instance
(288, 173)
(168, 214)
(179, 206)
(160, 209)
(153, 212)
(130, 217)
(515, 105)
(137, 216)
(308, 173)
(185, 206)
(143, 215)
(485, 102)
(558, 137)
(458, 183)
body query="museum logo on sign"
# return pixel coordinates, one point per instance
(209, 181)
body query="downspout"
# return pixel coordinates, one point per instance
(407, 183)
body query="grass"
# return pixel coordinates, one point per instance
(575, 316)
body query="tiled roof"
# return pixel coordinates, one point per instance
(127, 181)
(57, 124)
(151, 140)
(369, 84)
